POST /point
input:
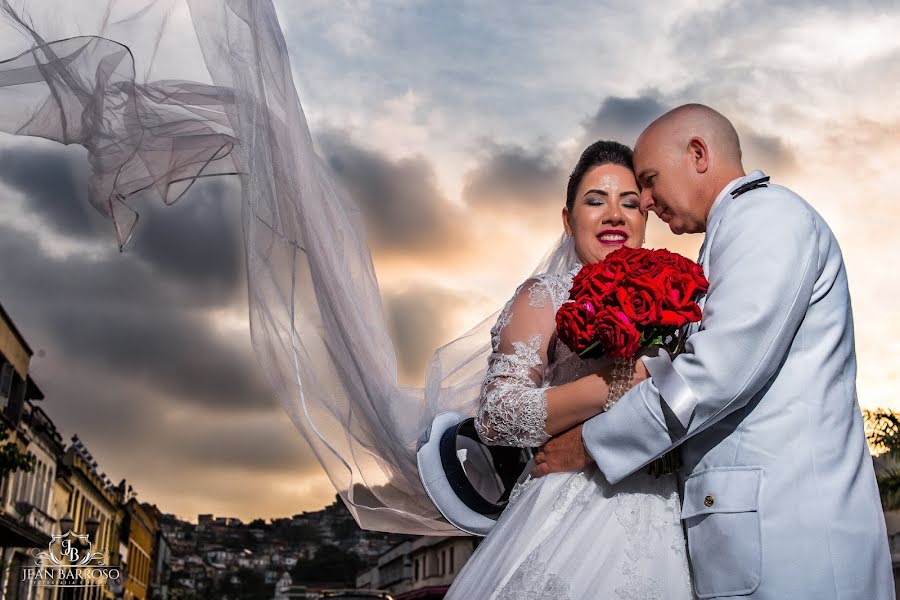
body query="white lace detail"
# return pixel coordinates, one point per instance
(574, 493)
(554, 287)
(513, 412)
(510, 416)
(500, 325)
(644, 526)
(534, 581)
(639, 587)
(519, 488)
(679, 545)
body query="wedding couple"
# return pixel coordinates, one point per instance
(777, 496)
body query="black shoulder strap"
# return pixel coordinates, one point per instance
(750, 185)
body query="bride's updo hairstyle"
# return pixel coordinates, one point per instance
(603, 152)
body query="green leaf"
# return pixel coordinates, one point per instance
(589, 348)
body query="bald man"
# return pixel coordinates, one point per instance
(779, 498)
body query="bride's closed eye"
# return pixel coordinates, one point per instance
(627, 204)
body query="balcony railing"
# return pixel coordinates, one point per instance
(37, 518)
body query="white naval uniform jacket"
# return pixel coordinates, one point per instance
(779, 500)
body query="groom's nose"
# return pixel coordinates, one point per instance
(646, 199)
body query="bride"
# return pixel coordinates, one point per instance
(571, 535)
(316, 317)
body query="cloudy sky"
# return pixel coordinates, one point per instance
(455, 128)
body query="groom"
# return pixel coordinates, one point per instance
(780, 500)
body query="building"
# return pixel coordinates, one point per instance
(26, 494)
(94, 508)
(138, 534)
(162, 558)
(436, 561)
(420, 569)
(392, 573)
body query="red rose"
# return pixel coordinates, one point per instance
(592, 286)
(640, 299)
(597, 280)
(617, 334)
(575, 326)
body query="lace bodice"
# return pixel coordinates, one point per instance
(527, 359)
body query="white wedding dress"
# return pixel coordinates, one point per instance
(565, 536)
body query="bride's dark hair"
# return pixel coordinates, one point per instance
(603, 152)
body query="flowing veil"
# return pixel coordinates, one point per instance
(317, 322)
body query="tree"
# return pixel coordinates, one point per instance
(883, 435)
(296, 534)
(331, 564)
(248, 585)
(11, 457)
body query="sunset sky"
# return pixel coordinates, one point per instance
(455, 128)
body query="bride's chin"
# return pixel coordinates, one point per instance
(607, 249)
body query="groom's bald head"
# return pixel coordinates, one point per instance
(682, 160)
(680, 124)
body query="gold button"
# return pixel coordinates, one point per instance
(709, 501)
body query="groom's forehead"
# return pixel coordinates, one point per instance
(645, 147)
(652, 141)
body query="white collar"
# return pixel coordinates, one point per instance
(727, 189)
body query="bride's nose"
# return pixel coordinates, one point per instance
(613, 213)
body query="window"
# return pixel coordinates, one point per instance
(416, 570)
(6, 381)
(17, 485)
(451, 560)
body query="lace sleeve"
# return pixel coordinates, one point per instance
(513, 407)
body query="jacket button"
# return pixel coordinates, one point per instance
(709, 501)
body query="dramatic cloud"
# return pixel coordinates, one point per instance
(622, 119)
(768, 152)
(405, 210)
(195, 244)
(54, 183)
(420, 321)
(515, 178)
(121, 316)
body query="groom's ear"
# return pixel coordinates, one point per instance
(699, 154)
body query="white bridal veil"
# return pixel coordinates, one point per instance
(162, 92)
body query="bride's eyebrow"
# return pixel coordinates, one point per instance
(605, 193)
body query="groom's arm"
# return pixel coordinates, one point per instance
(762, 270)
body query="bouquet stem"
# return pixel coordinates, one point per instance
(666, 464)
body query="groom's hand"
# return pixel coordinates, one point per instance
(564, 452)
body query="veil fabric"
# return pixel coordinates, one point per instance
(316, 317)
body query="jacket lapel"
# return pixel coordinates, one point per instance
(712, 227)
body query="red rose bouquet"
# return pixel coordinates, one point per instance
(633, 299)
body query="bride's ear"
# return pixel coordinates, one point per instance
(565, 219)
